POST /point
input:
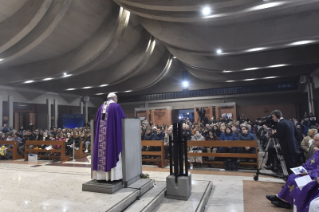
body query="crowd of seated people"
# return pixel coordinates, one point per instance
(69, 136)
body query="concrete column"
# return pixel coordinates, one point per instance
(1, 112)
(49, 114)
(10, 111)
(56, 112)
(81, 107)
(86, 111)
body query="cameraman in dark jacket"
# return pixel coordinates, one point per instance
(286, 133)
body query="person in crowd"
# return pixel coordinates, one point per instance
(246, 135)
(87, 141)
(188, 132)
(290, 191)
(194, 149)
(211, 149)
(5, 129)
(148, 135)
(216, 131)
(154, 129)
(307, 142)
(158, 136)
(168, 134)
(312, 119)
(227, 136)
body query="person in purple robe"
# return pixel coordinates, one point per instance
(291, 191)
(107, 163)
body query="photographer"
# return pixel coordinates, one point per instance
(286, 133)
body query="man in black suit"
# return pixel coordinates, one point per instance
(286, 132)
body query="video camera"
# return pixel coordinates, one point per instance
(267, 120)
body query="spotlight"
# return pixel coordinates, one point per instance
(277, 65)
(219, 51)
(185, 84)
(64, 74)
(1, 59)
(67, 75)
(250, 69)
(99, 94)
(70, 89)
(47, 79)
(256, 49)
(206, 11)
(267, 5)
(128, 91)
(29, 81)
(103, 85)
(302, 42)
(87, 87)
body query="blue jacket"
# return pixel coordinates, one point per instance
(159, 137)
(227, 137)
(248, 136)
(148, 136)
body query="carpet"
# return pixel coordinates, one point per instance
(255, 196)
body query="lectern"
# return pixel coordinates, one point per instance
(131, 159)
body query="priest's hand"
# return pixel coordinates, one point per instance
(315, 148)
(247, 148)
(304, 173)
(318, 180)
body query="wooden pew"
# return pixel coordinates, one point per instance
(62, 155)
(14, 149)
(218, 143)
(79, 153)
(161, 153)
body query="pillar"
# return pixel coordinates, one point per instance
(10, 111)
(81, 107)
(56, 112)
(86, 112)
(49, 114)
(1, 112)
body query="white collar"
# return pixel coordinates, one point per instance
(281, 118)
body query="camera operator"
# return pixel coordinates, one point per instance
(286, 133)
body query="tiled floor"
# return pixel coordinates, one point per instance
(55, 187)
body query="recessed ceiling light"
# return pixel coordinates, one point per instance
(230, 81)
(87, 87)
(256, 49)
(99, 94)
(128, 91)
(227, 71)
(185, 84)
(29, 81)
(206, 11)
(1, 59)
(302, 42)
(219, 51)
(66, 75)
(250, 69)
(270, 77)
(70, 89)
(249, 79)
(267, 5)
(103, 85)
(46, 79)
(277, 65)
(174, 57)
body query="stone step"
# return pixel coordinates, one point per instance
(150, 200)
(137, 189)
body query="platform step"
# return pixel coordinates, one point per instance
(139, 188)
(150, 200)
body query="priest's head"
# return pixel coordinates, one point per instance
(112, 96)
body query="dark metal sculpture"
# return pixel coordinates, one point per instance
(178, 149)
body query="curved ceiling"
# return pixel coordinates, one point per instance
(95, 47)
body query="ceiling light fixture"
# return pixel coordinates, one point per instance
(206, 11)
(29, 81)
(250, 69)
(270, 77)
(219, 51)
(99, 94)
(185, 84)
(47, 79)
(66, 75)
(302, 42)
(1, 59)
(174, 57)
(267, 5)
(227, 71)
(249, 79)
(128, 91)
(277, 65)
(104, 85)
(230, 81)
(87, 87)
(70, 89)
(256, 49)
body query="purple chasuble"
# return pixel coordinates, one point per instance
(107, 137)
(291, 190)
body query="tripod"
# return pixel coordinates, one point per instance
(285, 174)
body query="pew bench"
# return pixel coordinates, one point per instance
(218, 143)
(160, 154)
(14, 149)
(35, 143)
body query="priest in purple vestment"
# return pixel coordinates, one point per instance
(107, 163)
(291, 190)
